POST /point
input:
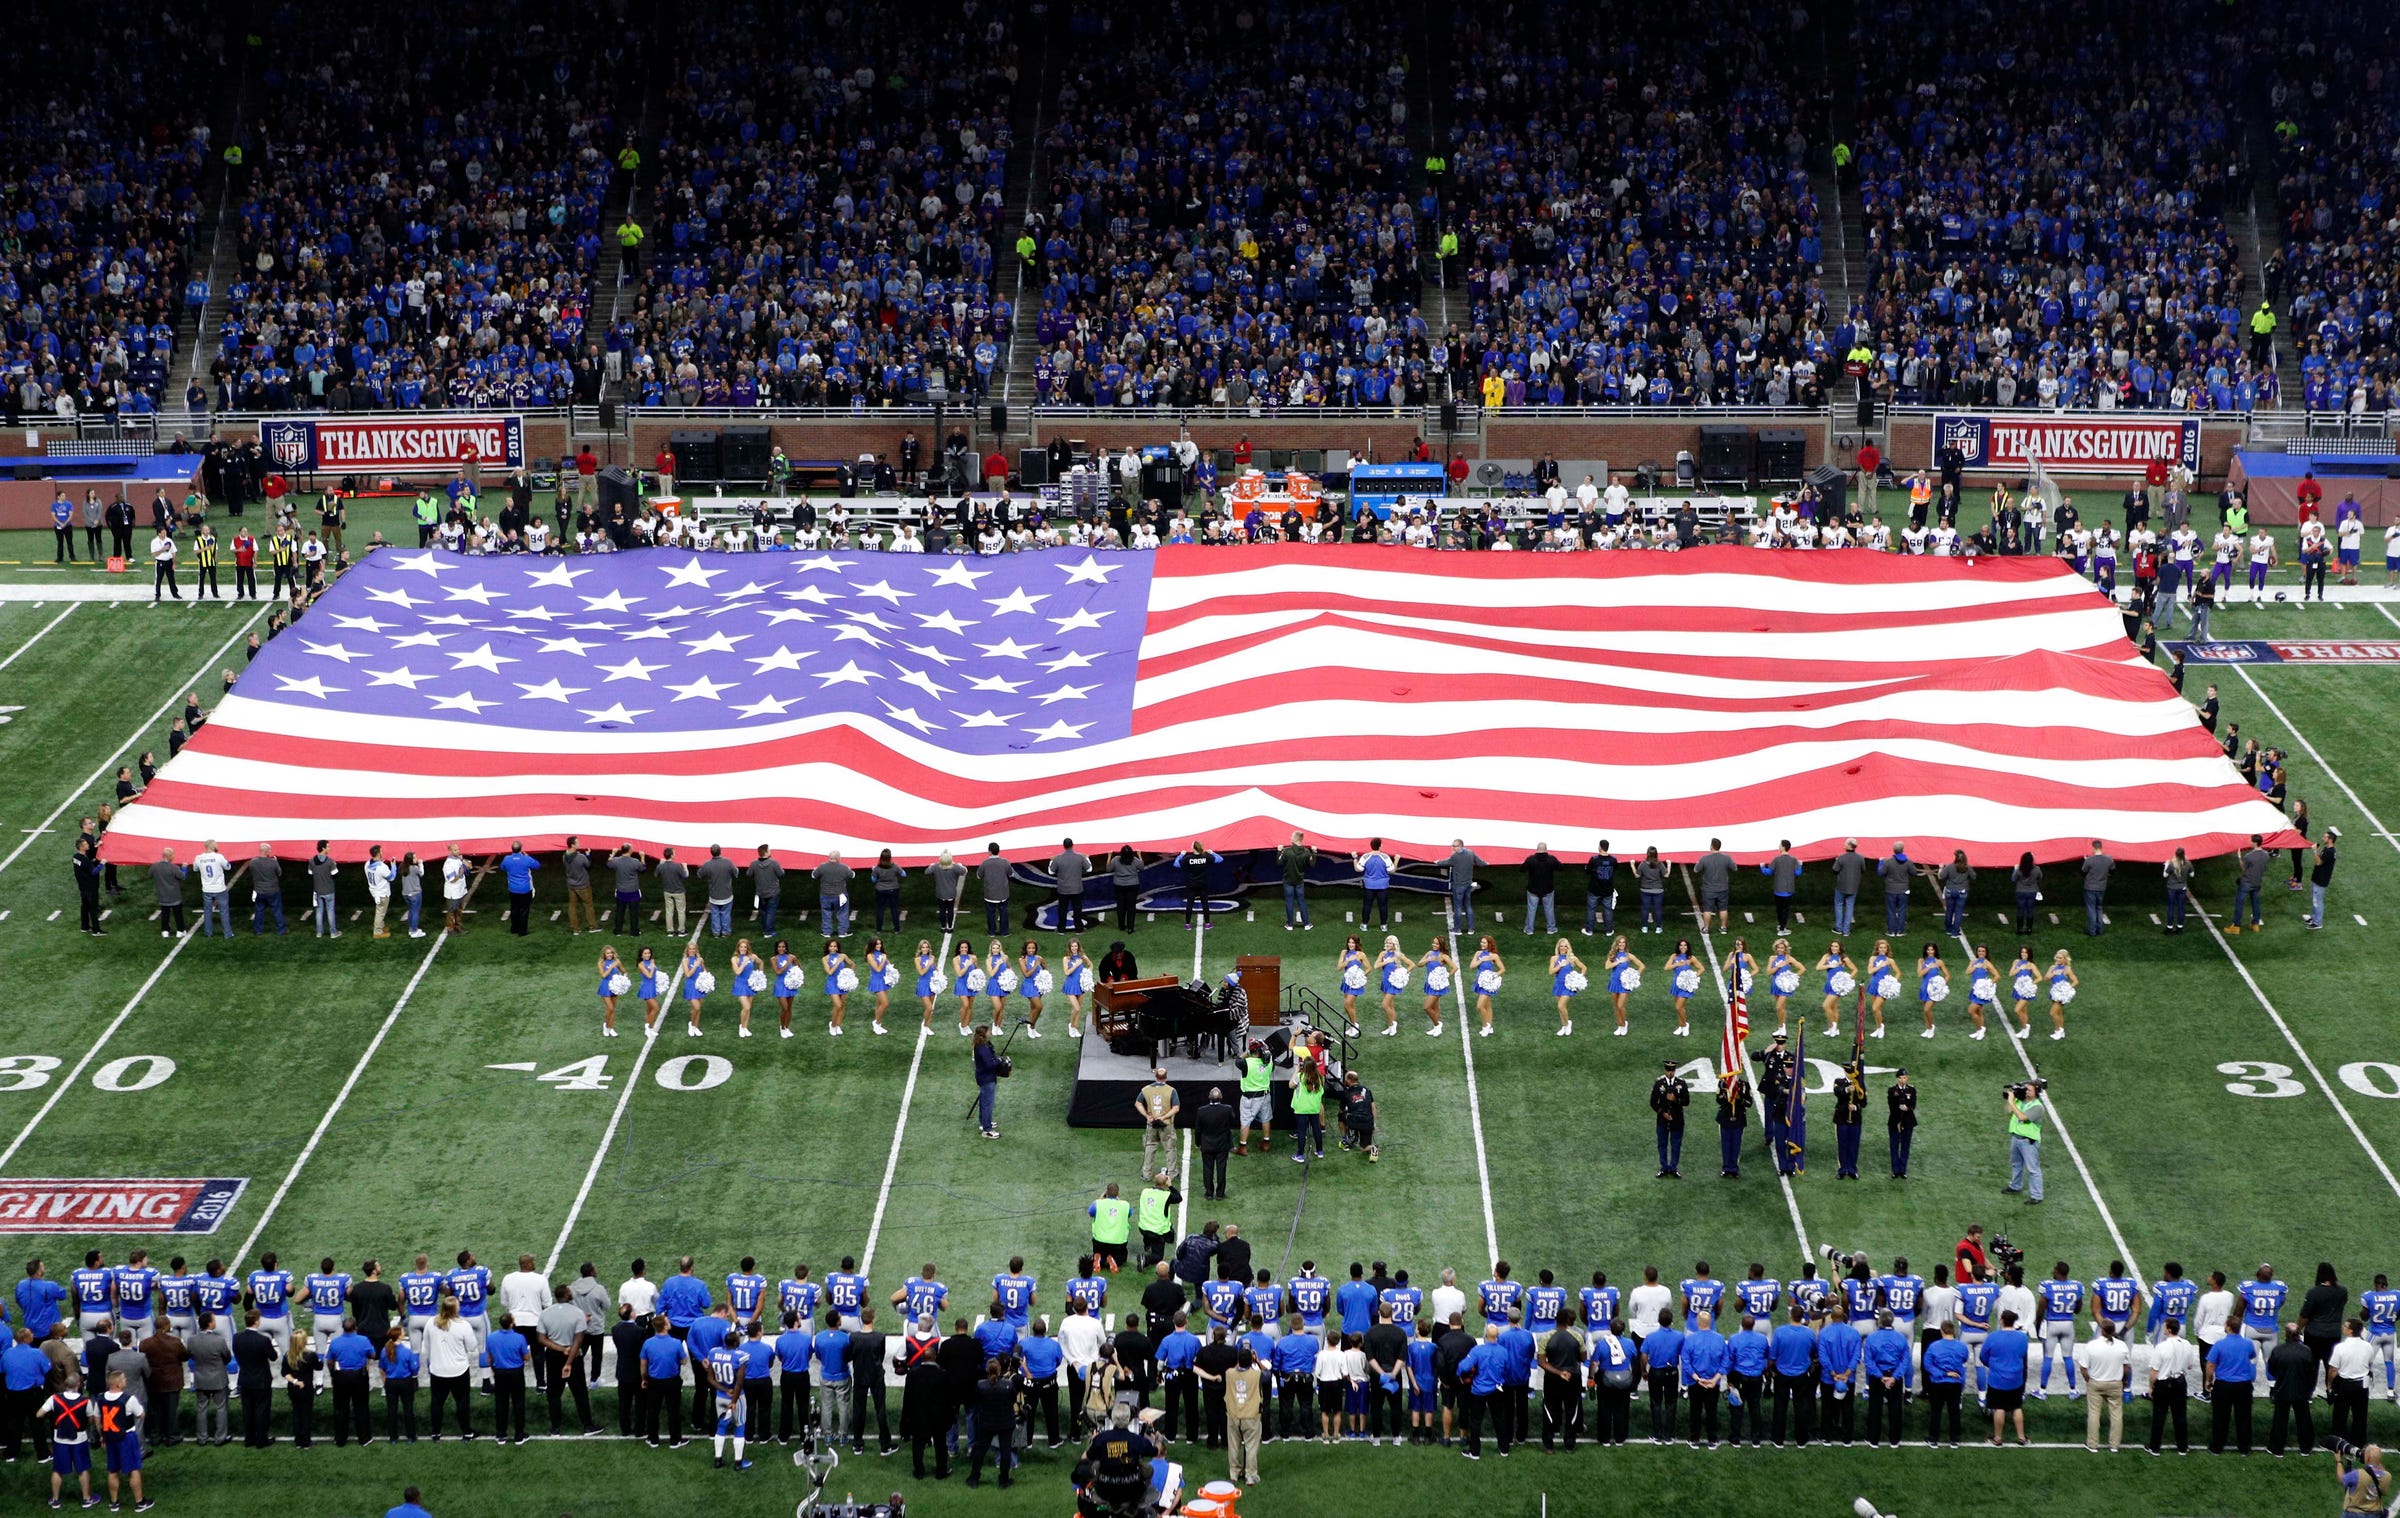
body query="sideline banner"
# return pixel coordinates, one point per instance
(2087, 443)
(2287, 651)
(117, 1206)
(395, 444)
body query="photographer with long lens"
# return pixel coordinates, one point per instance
(2366, 1485)
(2025, 1114)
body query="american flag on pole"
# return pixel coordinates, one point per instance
(863, 700)
(1730, 1051)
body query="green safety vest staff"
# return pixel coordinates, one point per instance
(1258, 1073)
(1112, 1220)
(2025, 1121)
(1305, 1102)
(1154, 1210)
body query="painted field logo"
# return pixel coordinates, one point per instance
(2382, 651)
(120, 1206)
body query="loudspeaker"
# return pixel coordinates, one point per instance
(1782, 454)
(744, 452)
(33, 471)
(1033, 467)
(695, 456)
(1725, 453)
(608, 416)
(1449, 416)
(999, 416)
(2391, 471)
(616, 484)
(1833, 491)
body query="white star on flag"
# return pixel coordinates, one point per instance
(856, 635)
(985, 718)
(402, 676)
(777, 616)
(1057, 730)
(481, 595)
(824, 562)
(363, 624)
(1015, 600)
(714, 643)
(764, 706)
(849, 674)
(559, 577)
(312, 686)
(924, 682)
(482, 658)
(395, 596)
(1082, 617)
(451, 619)
(651, 634)
(882, 590)
(1066, 693)
(691, 574)
(957, 573)
(872, 619)
(419, 640)
(615, 600)
(631, 669)
(427, 564)
(946, 622)
(576, 646)
(996, 682)
(464, 701)
(782, 658)
(616, 713)
(703, 688)
(814, 595)
(908, 714)
(1090, 572)
(1068, 661)
(331, 651)
(534, 614)
(924, 651)
(551, 690)
(1008, 648)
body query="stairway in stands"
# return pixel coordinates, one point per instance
(1023, 286)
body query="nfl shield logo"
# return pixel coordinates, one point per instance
(287, 443)
(1966, 435)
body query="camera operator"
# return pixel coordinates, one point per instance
(1114, 1475)
(2025, 1113)
(2366, 1485)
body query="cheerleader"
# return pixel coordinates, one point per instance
(1883, 980)
(645, 971)
(1683, 981)
(695, 970)
(1032, 972)
(1076, 967)
(1438, 968)
(837, 1000)
(1568, 979)
(1784, 974)
(612, 970)
(1488, 970)
(745, 965)
(996, 981)
(1391, 978)
(881, 977)
(2063, 986)
(2024, 983)
(783, 963)
(1351, 970)
(966, 978)
(1624, 976)
(1933, 983)
(1983, 989)
(1838, 969)
(1741, 970)
(929, 970)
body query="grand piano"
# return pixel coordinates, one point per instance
(1145, 1018)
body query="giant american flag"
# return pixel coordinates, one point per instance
(864, 700)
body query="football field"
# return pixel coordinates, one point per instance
(2219, 1101)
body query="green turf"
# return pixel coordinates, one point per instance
(433, 1151)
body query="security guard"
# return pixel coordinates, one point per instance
(1775, 1095)
(1900, 1108)
(429, 516)
(1153, 1217)
(1849, 1113)
(1670, 1094)
(1733, 1115)
(1112, 1228)
(1258, 1100)
(629, 248)
(206, 547)
(284, 548)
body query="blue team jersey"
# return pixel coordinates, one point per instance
(1902, 1294)
(2262, 1304)
(134, 1285)
(1757, 1298)
(1420, 1364)
(1224, 1299)
(1092, 1292)
(846, 1291)
(1859, 1297)
(175, 1295)
(470, 1284)
(1702, 1294)
(421, 1293)
(725, 1368)
(1543, 1304)
(1405, 1302)
(272, 1291)
(1497, 1298)
(1599, 1305)
(1808, 1292)
(745, 1290)
(1975, 1302)
(2060, 1299)
(1266, 1301)
(1308, 1295)
(2112, 1299)
(95, 1289)
(2381, 1310)
(2174, 1299)
(801, 1297)
(922, 1296)
(214, 1294)
(327, 1293)
(1015, 1296)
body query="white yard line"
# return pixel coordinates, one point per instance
(2301, 738)
(1466, 1045)
(14, 653)
(891, 1161)
(1183, 1182)
(1791, 1198)
(67, 1082)
(108, 765)
(608, 1138)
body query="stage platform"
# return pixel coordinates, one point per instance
(1106, 1083)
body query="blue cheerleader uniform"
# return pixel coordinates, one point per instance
(1618, 967)
(691, 980)
(1483, 962)
(1028, 967)
(1560, 968)
(925, 968)
(960, 968)
(783, 962)
(834, 965)
(2024, 969)
(743, 964)
(2058, 978)
(880, 974)
(1078, 980)
(1878, 966)
(1745, 972)
(1351, 957)
(649, 980)
(1776, 965)
(1427, 968)
(614, 969)
(1831, 967)
(1926, 971)
(1676, 965)
(1391, 983)
(1982, 968)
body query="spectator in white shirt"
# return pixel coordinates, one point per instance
(2213, 1312)
(524, 1293)
(2346, 1382)
(1644, 1303)
(2173, 1364)
(449, 1360)
(1446, 1301)
(2103, 1361)
(639, 1293)
(216, 887)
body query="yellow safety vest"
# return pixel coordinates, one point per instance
(1154, 1210)
(1112, 1220)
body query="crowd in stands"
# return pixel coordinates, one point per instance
(824, 224)
(2336, 105)
(2046, 193)
(1226, 214)
(1631, 199)
(100, 164)
(420, 221)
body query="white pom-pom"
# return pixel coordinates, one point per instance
(1399, 979)
(1042, 982)
(1937, 989)
(1355, 977)
(1842, 983)
(704, 983)
(976, 981)
(618, 985)
(2062, 993)
(939, 983)
(1687, 980)
(1632, 980)
(1437, 977)
(793, 979)
(755, 982)
(1887, 985)
(1008, 980)
(2027, 987)
(1786, 982)
(1982, 988)
(846, 979)
(1488, 982)
(1578, 981)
